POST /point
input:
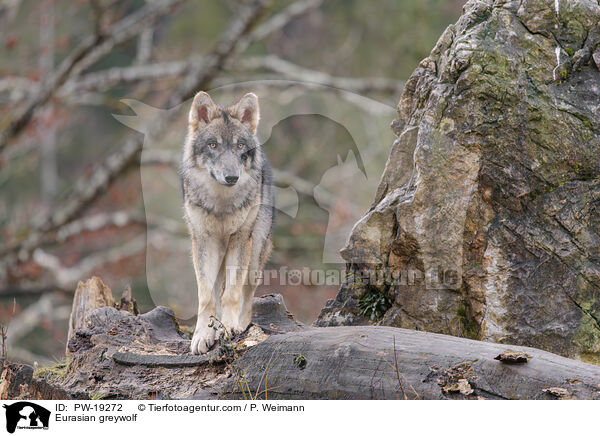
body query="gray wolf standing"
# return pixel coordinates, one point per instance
(228, 207)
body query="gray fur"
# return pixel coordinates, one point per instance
(228, 207)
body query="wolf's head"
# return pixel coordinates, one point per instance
(221, 140)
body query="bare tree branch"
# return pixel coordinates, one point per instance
(230, 44)
(47, 307)
(98, 81)
(144, 47)
(293, 71)
(31, 291)
(98, 10)
(162, 231)
(87, 190)
(66, 277)
(126, 29)
(19, 88)
(97, 222)
(119, 75)
(160, 156)
(83, 56)
(278, 21)
(119, 219)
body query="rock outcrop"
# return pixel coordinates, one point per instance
(486, 219)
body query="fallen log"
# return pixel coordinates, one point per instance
(117, 354)
(392, 363)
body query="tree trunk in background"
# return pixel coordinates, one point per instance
(46, 130)
(488, 207)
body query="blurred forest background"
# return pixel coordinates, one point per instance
(83, 194)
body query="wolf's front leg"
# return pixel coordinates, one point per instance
(258, 258)
(207, 257)
(237, 261)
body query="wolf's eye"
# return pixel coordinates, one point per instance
(212, 144)
(241, 144)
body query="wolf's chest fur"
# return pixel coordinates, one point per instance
(206, 223)
(216, 210)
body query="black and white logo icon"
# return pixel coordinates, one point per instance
(26, 415)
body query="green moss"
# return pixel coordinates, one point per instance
(569, 51)
(561, 183)
(587, 340)
(584, 172)
(374, 304)
(587, 124)
(55, 371)
(300, 361)
(97, 395)
(187, 330)
(468, 328)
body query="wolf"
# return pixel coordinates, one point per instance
(228, 208)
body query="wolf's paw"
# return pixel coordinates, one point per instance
(236, 327)
(204, 338)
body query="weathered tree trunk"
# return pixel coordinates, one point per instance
(89, 296)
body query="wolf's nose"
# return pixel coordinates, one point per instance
(231, 180)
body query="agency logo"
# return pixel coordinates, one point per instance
(26, 415)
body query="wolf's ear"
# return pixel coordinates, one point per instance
(203, 110)
(246, 110)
